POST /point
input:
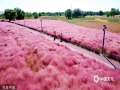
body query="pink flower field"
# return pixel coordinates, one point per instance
(32, 62)
(88, 38)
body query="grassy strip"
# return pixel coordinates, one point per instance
(112, 20)
(86, 19)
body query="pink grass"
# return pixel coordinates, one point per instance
(86, 36)
(34, 63)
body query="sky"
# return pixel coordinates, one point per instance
(59, 5)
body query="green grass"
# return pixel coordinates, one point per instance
(73, 20)
(112, 19)
(86, 19)
(113, 23)
(1, 17)
(53, 17)
(79, 20)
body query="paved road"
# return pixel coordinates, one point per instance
(87, 53)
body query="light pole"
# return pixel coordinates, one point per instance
(24, 22)
(104, 27)
(41, 23)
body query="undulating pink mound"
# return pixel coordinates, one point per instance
(32, 62)
(88, 38)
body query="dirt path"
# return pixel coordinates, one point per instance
(87, 53)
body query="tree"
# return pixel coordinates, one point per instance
(107, 13)
(84, 14)
(101, 13)
(113, 12)
(90, 13)
(56, 13)
(20, 13)
(49, 14)
(43, 13)
(60, 13)
(40, 14)
(28, 15)
(68, 13)
(35, 14)
(77, 13)
(10, 14)
(117, 12)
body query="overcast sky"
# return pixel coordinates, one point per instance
(59, 5)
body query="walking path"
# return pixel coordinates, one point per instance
(87, 53)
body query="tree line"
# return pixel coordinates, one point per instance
(76, 13)
(19, 14)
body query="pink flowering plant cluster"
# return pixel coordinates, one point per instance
(88, 38)
(32, 62)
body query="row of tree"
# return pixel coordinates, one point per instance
(76, 13)
(36, 15)
(14, 14)
(19, 14)
(113, 12)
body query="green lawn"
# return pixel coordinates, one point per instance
(113, 20)
(97, 22)
(78, 20)
(86, 19)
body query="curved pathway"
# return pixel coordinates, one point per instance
(87, 53)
